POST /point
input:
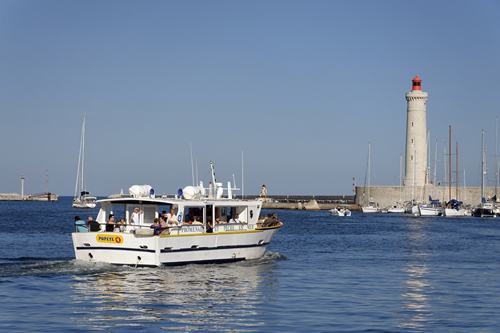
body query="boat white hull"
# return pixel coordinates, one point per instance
(429, 211)
(396, 209)
(85, 202)
(84, 205)
(226, 243)
(336, 212)
(454, 212)
(369, 209)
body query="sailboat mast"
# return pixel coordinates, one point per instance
(78, 174)
(82, 188)
(400, 175)
(369, 151)
(456, 171)
(496, 156)
(449, 164)
(435, 165)
(444, 167)
(483, 170)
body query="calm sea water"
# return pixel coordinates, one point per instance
(366, 273)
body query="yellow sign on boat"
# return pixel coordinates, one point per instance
(109, 239)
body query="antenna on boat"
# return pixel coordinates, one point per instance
(242, 178)
(192, 170)
(213, 173)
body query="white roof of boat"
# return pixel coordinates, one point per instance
(159, 200)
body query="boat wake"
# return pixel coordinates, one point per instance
(34, 266)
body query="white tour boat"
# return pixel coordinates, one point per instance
(206, 241)
(83, 198)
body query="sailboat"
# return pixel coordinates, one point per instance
(83, 198)
(398, 208)
(484, 209)
(370, 207)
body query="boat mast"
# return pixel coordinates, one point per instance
(435, 166)
(483, 170)
(449, 164)
(496, 157)
(369, 150)
(400, 168)
(444, 166)
(456, 170)
(414, 166)
(79, 176)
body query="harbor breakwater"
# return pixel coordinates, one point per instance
(308, 202)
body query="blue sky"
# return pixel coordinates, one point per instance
(298, 87)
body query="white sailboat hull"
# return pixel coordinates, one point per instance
(429, 211)
(454, 212)
(369, 209)
(396, 209)
(79, 204)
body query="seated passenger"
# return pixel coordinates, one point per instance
(164, 227)
(196, 221)
(81, 226)
(110, 225)
(260, 222)
(93, 225)
(235, 219)
(156, 226)
(218, 221)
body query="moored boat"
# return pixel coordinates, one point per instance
(398, 209)
(83, 198)
(454, 208)
(340, 211)
(433, 208)
(207, 229)
(371, 207)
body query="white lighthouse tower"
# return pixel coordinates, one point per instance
(416, 141)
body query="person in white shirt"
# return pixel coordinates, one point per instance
(235, 219)
(172, 218)
(134, 218)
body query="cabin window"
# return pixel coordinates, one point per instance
(165, 208)
(412, 123)
(411, 140)
(412, 157)
(190, 213)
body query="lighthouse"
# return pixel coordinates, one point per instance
(416, 141)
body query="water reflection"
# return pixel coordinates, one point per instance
(416, 309)
(208, 297)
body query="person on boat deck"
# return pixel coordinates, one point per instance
(164, 227)
(118, 226)
(134, 218)
(156, 226)
(235, 219)
(172, 217)
(260, 222)
(272, 220)
(110, 225)
(81, 226)
(93, 225)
